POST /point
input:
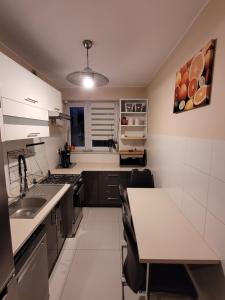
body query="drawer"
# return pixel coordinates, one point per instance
(111, 201)
(111, 189)
(115, 177)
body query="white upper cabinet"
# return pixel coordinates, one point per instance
(17, 83)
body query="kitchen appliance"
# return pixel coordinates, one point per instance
(32, 267)
(74, 213)
(65, 158)
(8, 287)
(133, 158)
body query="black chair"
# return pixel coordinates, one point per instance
(141, 179)
(170, 279)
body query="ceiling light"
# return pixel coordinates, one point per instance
(88, 82)
(87, 78)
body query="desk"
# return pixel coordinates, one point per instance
(163, 234)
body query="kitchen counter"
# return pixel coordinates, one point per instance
(22, 229)
(92, 167)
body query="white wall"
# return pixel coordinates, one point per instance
(46, 157)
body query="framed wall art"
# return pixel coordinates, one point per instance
(194, 80)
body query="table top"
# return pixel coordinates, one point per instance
(163, 233)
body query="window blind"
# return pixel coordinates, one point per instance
(103, 121)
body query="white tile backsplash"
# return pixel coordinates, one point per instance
(218, 160)
(196, 184)
(216, 202)
(198, 154)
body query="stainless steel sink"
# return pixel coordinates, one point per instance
(26, 207)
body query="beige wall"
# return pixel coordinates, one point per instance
(206, 122)
(103, 93)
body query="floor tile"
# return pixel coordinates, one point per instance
(104, 214)
(94, 275)
(66, 257)
(57, 281)
(99, 235)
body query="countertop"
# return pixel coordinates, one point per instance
(92, 167)
(21, 229)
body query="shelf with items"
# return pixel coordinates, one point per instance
(133, 138)
(133, 123)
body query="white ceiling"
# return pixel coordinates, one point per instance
(132, 37)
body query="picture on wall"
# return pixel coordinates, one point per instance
(194, 80)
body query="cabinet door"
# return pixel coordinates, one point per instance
(12, 132)
(17, 83)
(91, 188)
(51, 234)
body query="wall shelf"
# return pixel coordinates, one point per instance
(133, 125)
(133, 138)
(135, 112)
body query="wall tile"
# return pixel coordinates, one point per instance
(198, 154)
(216, 202)
(218, 160)
(196, 184)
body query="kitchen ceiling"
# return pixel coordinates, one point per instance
(132, 37)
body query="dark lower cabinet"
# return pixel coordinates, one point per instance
(56, 227)
(91, 188)
(102, 187)
(51, 235)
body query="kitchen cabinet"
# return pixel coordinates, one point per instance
(22, 121)
(51, 234)
(55, 232)
(17, 83)
(102, 188)
(109, 186)
(91, 188)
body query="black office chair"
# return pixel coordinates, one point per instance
(141, 179)
(164, 278)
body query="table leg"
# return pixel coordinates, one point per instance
(147, 296)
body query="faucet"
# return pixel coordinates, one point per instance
(23, 189)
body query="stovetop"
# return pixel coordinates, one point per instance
(61, 179)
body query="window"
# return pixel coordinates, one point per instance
(77, 126)
(93, 124)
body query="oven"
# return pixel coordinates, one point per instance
(74, 208)
(78, 200)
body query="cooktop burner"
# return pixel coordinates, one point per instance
(61, 178)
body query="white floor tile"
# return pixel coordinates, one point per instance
(99, 235)
(94, 275)
(70, 243)
(57, 281)
(104, 214)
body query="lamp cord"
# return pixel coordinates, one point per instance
(87, 59)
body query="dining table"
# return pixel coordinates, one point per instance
(164, 235)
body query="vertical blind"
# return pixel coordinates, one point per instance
(103, 121)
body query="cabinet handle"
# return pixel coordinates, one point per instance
(33, 134)
(113, 175)
(113, 185)
(31, 100)
(112, 198)
(57, 109)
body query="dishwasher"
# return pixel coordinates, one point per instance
(31, 266)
